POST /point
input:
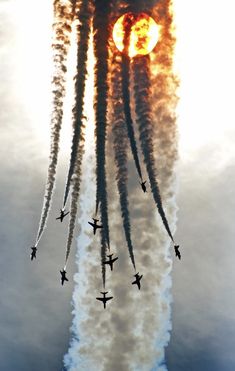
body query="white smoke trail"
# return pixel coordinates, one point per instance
(131, 333)
(86, 259)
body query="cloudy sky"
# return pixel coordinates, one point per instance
(35, 311)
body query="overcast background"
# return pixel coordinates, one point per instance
(35, 312)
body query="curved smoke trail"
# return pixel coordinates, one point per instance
(142, 88)
(126, 93)
(76, 181)
(83, 32)
(62, 30)
(120, 149)
(101, 40)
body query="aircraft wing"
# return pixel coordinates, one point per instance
(59, 217)
(109, 298)
(91, 224)
(66, 213)
(100, 299)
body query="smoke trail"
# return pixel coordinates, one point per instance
(134, 329)
(76, 181)
(120, 149)
(126, 92)
(129, 334)
(83, 31)
(87, 257)
(101, 39)
(143, 112)
(164, 99)
(61, 43)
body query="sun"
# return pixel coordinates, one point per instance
(143, 36)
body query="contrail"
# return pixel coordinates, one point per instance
(142, 89)
(126, 94)
(83, 32)
(60, 46)
(101, 40)
(120, 149)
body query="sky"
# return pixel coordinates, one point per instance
(35, 312)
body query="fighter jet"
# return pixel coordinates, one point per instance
(104, 298)
(63, 276)
(95, 225)
(110, 261)
(137, 280)
(33, 253)
(177, 252)
(143, 186)
(62, 215)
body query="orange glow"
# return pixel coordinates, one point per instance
(144, 33)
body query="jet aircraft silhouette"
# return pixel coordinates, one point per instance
(137, 280)
(62, 215)
(104, 298)
(143, 186)
(110, 261)
(95, 225)
(33, 253)
(63, 277)
(177, 252)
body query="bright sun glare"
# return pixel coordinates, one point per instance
(143, 37)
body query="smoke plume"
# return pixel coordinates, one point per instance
(126, 94)
(132, 333)
(83, 14)
(101, 39)
(142, 88)
(63, 17)
(76, 181)
(120, 150)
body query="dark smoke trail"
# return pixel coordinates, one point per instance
(61, 43)
(143, 114)
(83, 31)
(126, 93)
(101, 41)
(120, 148)
(75, 183)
